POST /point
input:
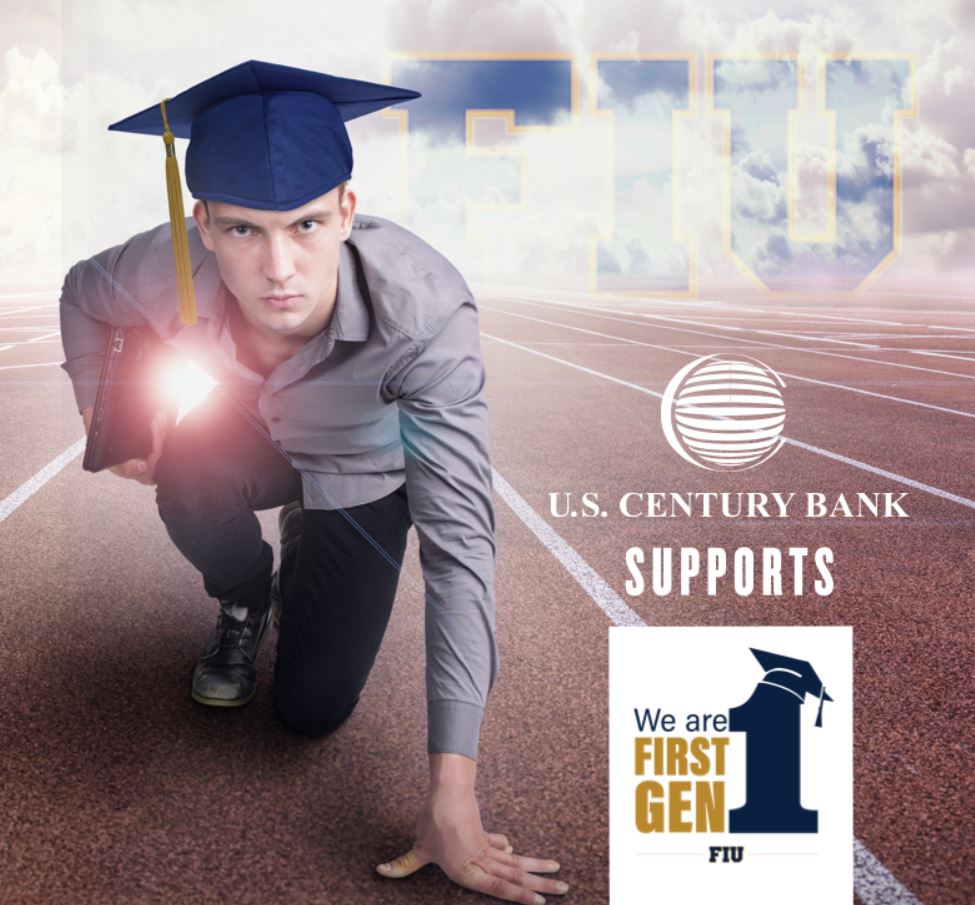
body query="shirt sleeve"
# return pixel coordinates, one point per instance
(118, 287)
(444, 430)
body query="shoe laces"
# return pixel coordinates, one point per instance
(231, 628)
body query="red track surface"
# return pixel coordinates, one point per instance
(116, 788)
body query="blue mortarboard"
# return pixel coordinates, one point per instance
(262, 136)
(796, 676)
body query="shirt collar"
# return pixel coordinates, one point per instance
(350, 320)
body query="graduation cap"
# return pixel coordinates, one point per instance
(795, 676)
(262, 136)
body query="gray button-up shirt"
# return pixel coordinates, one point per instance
(390, 391)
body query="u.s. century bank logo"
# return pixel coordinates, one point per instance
(724, 412)
(724, 786)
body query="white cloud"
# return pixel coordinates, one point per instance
(939, 185)
(946, 86)
(70, 69)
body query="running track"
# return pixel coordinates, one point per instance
(115, 788)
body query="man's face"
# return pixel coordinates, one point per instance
(281, 266)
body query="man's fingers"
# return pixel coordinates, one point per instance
(160, 427)
(534, 865)
(475, 877)
(499, 840)
(156, 428)
(404, 865)
(134, 468)
(517, 870)
(143, 470)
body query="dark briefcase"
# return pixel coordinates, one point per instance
(129, 395)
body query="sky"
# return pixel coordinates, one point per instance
(621, 177)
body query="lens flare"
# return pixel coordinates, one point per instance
(185, 385)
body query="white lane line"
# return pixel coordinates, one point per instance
(805, 314)
(855, 463)
(918, 292)
(23, 328)
(864, 346)
(32, 485)
(38, 339)
(587, 312)
(40, 364)
(833, 317)
(29, 295)
(872, 882)
(18, 311)
(933, 353)
(752, 329)
(554, 342)
(841, 342)
(799, 319)
(7, 346)
(897, 336)
(882, 472)
(17, 317)
(684, 304)
(681, 351)
(588, 578)
(708, 346)
(812, 335)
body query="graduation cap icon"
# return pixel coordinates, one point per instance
(794, 676)
(262, 136)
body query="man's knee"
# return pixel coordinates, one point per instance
(309, 713)
(182, 472)
(192, 486)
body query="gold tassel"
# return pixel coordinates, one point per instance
(177, 221)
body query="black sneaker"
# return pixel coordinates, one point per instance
(226, 675)
(289, 524)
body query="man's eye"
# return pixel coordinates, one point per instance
(236, 230)
(307, 226)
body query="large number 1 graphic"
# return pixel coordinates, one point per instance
(773, 771)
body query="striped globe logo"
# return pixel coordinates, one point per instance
(724, 412)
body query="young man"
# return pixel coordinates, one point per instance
(349, 375)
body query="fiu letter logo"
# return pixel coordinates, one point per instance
(484, 121)
(862, 101)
